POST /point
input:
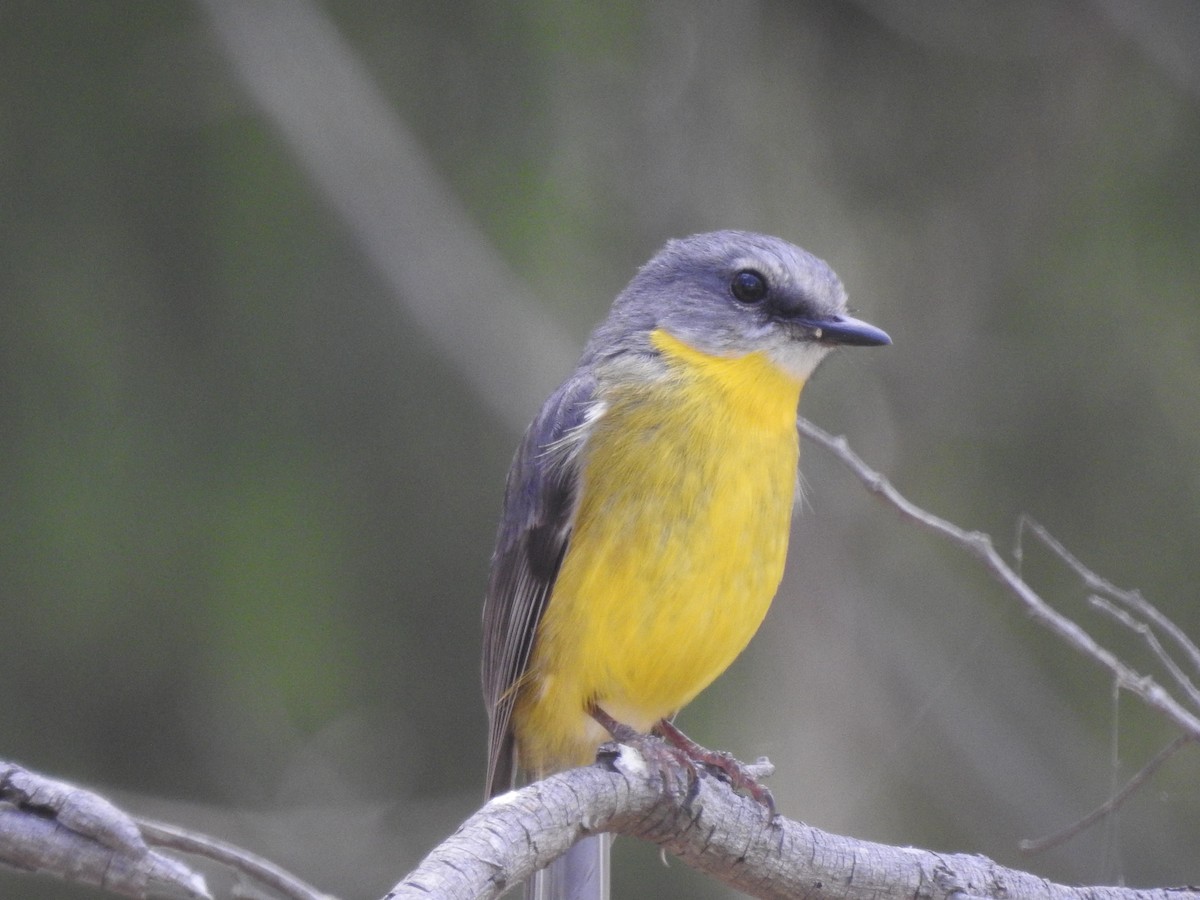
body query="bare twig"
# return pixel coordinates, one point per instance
(980, 546)
(1132, 599)
(249, 864)
(1146, 633)
(1109, 806)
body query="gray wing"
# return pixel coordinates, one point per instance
(535, 530)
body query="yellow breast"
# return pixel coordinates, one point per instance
(678, 547)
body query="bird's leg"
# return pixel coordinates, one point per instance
(621, 733)
(733, 770)
(671, 749)
(666, 757)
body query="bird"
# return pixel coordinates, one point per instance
(647, 510)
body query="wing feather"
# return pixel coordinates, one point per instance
(535, 530)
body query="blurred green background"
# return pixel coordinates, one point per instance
(248, 491)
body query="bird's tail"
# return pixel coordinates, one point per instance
(580, 874)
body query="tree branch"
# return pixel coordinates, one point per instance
(248, 864)
(716, 831)
(980, 546)
(1109, 806)
(58, 829)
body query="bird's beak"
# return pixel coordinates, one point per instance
(847, 330)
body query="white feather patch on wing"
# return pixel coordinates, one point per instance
(566, 448)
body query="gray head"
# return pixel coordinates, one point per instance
(730, 293)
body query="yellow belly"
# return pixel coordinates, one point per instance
(677, 550)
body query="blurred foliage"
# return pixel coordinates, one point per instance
(246, 508)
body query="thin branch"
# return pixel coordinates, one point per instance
(980, 546)
(1146, 633)
(1109, 806)
(1132, 599)
(267, 873)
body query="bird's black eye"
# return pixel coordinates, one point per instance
(748, 286)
